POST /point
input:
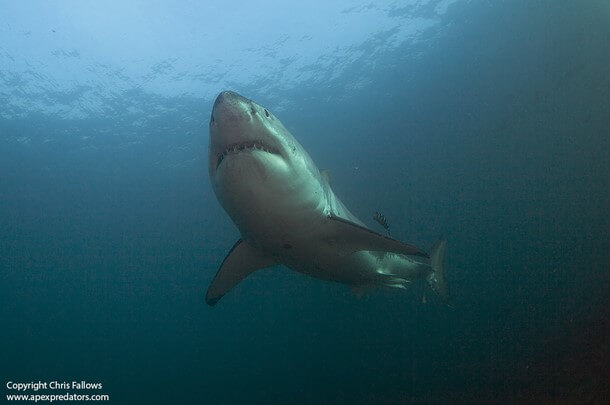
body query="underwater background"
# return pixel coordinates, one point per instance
(485, 121)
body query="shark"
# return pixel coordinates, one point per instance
(287, 213)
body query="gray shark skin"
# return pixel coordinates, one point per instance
(288, 214)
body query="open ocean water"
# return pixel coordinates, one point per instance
(485, 121)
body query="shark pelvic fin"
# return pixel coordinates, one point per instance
(241, 260)
(357, 237)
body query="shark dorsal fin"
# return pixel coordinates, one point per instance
(241, 260)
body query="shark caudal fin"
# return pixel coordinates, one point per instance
(436, 279)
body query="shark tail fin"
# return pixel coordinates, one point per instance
(436, 279)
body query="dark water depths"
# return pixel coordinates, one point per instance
(497, 137)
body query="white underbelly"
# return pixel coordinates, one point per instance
(328, 263)
(356, 268)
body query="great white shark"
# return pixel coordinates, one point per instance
(288, 214)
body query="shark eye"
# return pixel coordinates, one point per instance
(266, 113)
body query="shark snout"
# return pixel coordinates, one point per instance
(228, 97)
(235, 127)
(230, 106)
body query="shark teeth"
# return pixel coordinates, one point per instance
(243, 146)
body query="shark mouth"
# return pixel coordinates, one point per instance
(245, 146)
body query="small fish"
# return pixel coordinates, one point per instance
(380, 218)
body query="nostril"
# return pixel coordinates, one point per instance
(266, 112)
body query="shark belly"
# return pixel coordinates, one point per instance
(361, 268)
(270, 212)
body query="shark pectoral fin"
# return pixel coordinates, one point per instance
(241, 260)
(359, 237)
